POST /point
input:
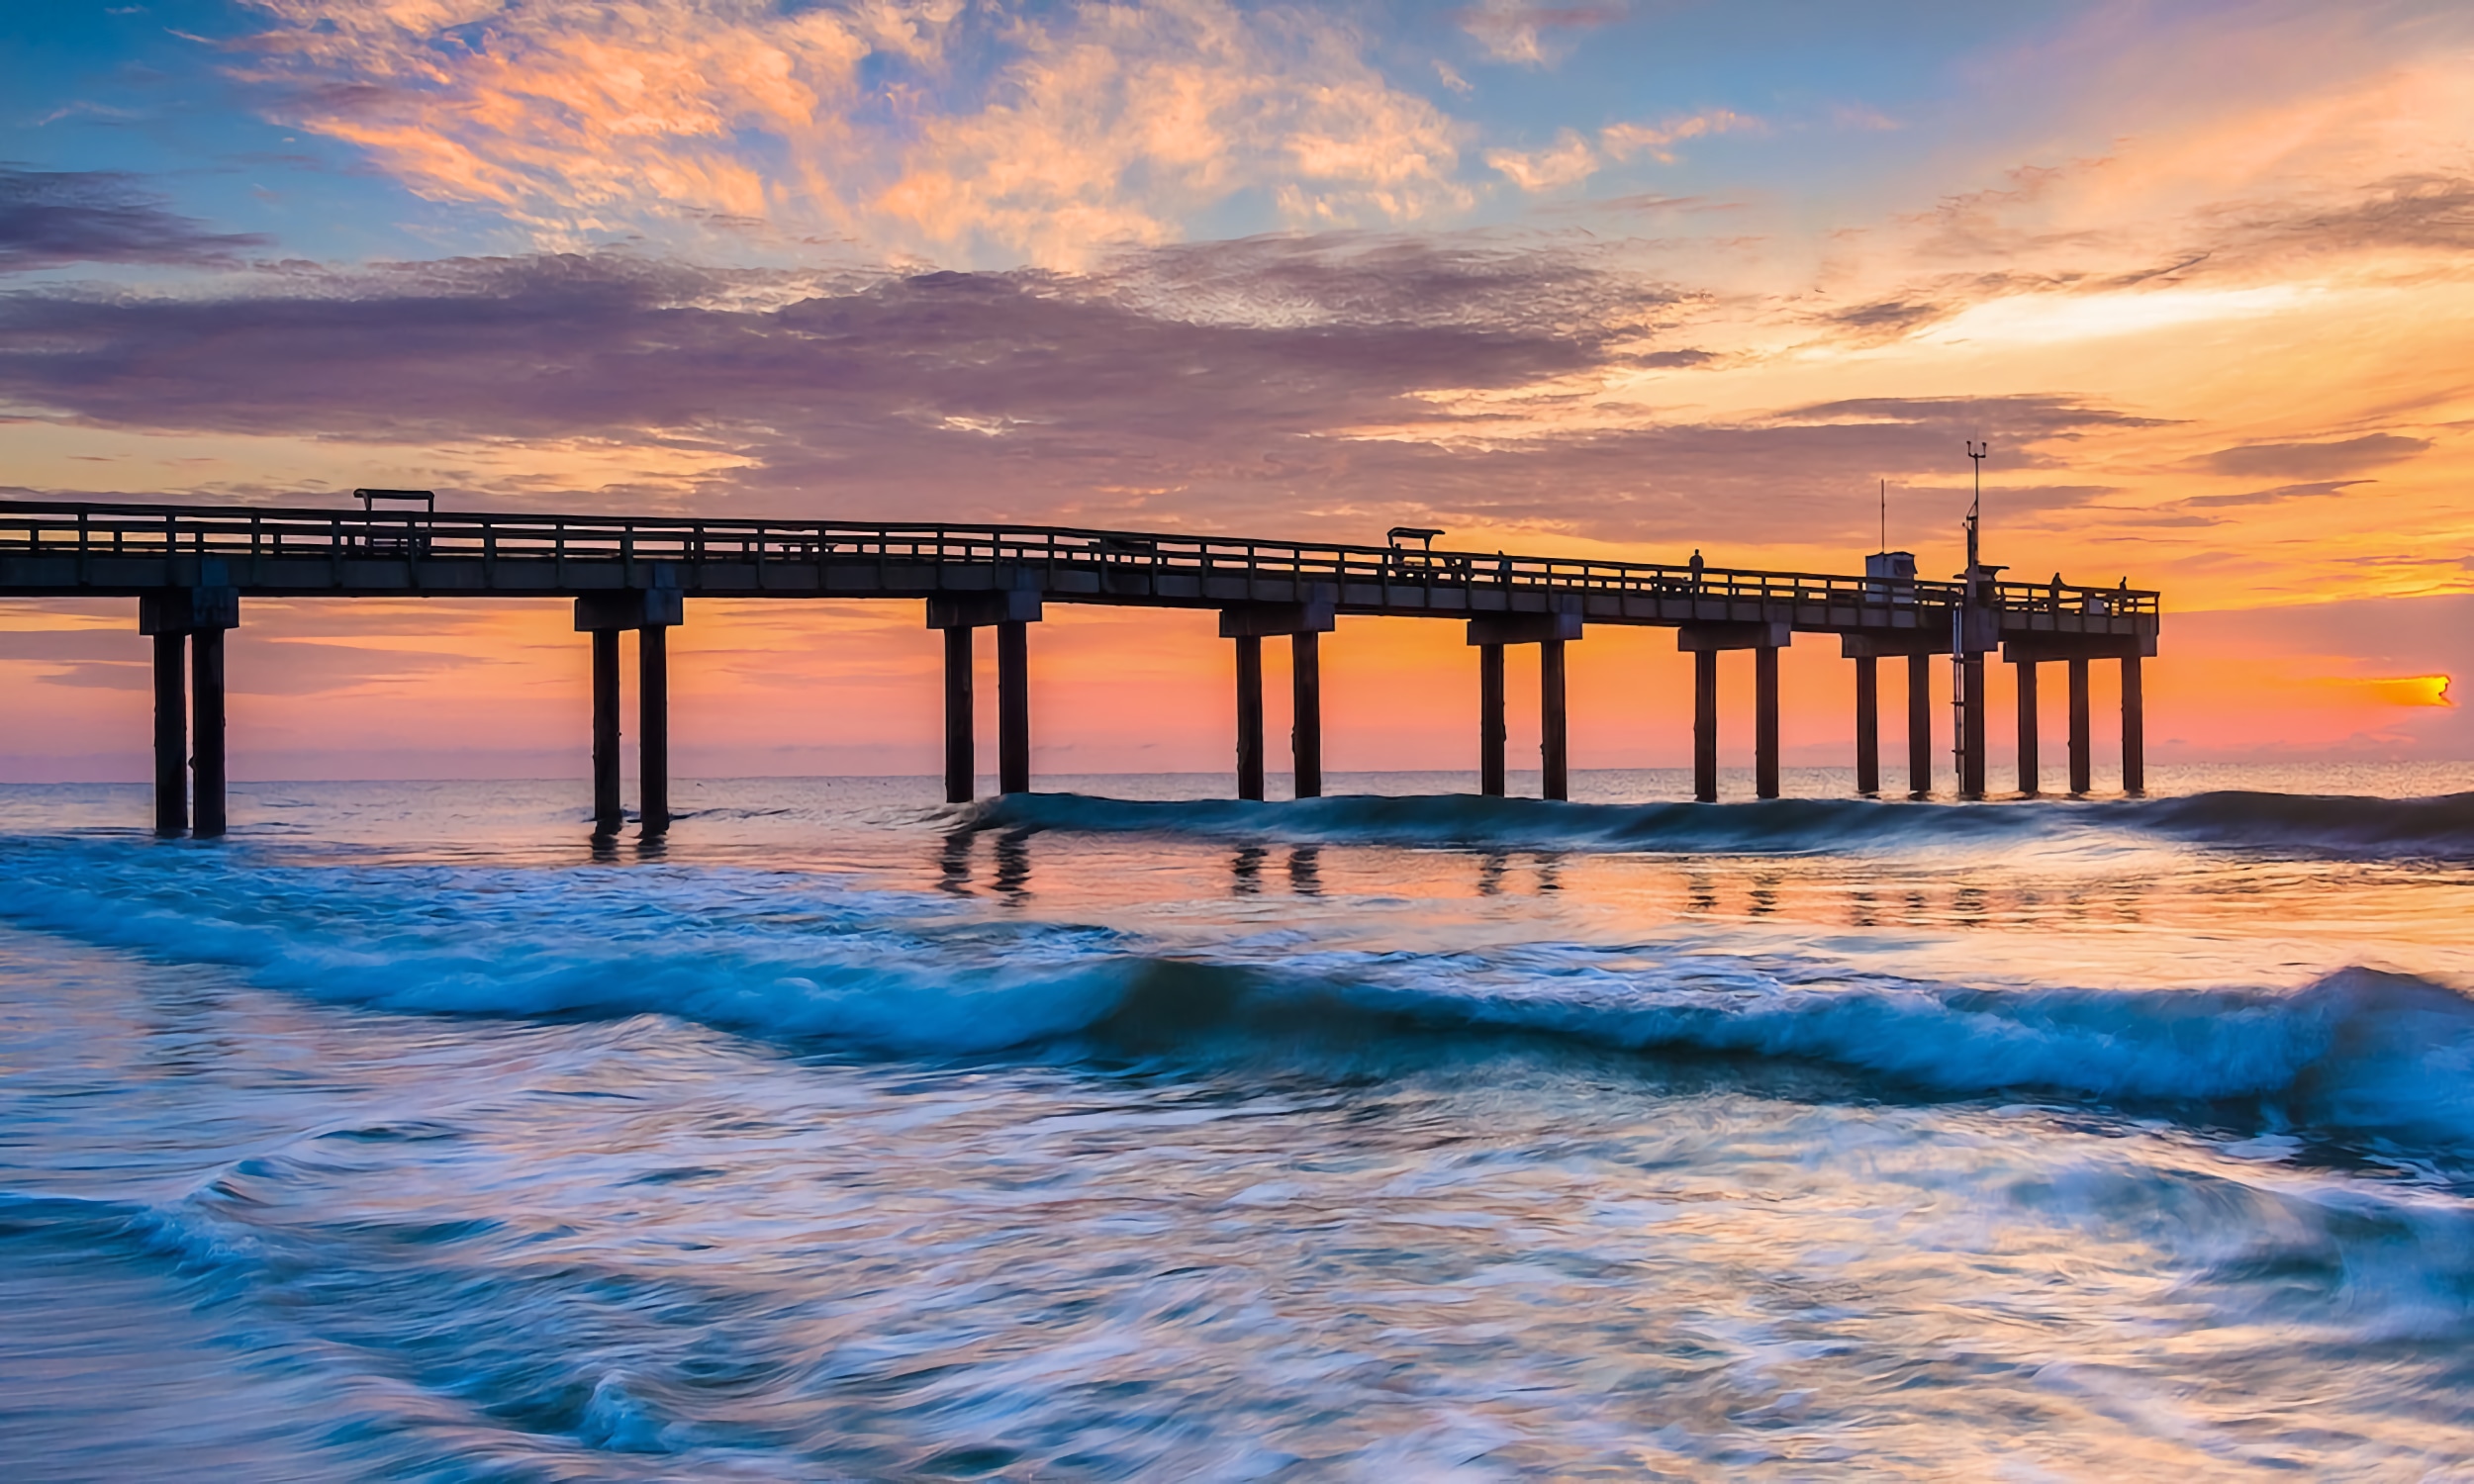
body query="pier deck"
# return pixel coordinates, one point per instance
(189, 564)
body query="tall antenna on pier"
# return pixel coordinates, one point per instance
(1885, 516)
(1959, 696)
(1976, 512)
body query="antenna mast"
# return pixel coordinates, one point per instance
(1958, 621)
(1885, 516)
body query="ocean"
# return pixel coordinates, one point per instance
(1121, 1132)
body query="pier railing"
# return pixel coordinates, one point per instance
(102, 530)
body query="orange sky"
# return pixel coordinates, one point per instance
(2198, 272)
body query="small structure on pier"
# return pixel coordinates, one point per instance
(190, 566)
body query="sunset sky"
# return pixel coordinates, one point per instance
(1622, 278)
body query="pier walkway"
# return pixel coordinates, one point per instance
(189, 566)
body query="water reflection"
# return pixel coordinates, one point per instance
(1305, 871)
(1247, 871)
(1013, 866)
(953, 863)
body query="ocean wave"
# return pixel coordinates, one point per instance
(813, 960)
(2439, 826)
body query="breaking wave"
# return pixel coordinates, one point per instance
(2441, 826)
(816, 961)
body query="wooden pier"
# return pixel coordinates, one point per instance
(189, 567)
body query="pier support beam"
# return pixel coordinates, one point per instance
(1766, 722)
(1972, 726)
(1705, 727)
(1305, 733)
(1704, 641)
(206, 727)
(1550, 631)
(188, 623)
(609, 815)
(1553, 753)
(650, 611)
(1014, 707)
(2031, 766)
(2134, 728)
(2082, 770)
(1250, 716)
(1491, 731)
(1918, 725)
(1249, 623)
(961, 758)
(171, 736)
(1867, 726)
(2078, 650)
(652, 742)
(959, 615)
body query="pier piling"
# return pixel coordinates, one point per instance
(608, 813)
(1013, 706)
(1918, 725)
(2082, 771)
(1491, 731)
(1972, 726)
(2134, 728)
(1305, 735)
(1867, 726)
(2030, 774)
(652, 745)
(206, 725)
(1553, 753)
(1250, 716)
(171, 736)
(961, 760)
(1705, 727)
(1765, 721)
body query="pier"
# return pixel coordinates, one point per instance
(190, 566)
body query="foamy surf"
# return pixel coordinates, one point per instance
(810, 961)
(2438, 826)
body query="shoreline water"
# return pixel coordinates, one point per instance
(852, 1133)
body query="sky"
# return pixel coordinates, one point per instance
(1631, 278)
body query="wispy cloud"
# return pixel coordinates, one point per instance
(2313, 461)
(53, 219)
(1573, 158)
(1515, 30)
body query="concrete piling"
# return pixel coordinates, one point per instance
(1491, 730)
(1250, 716)
(1918, 725)
(961, 751)
(2134, 728)
(206, 726)
(2031, 766)
(1553, 750)
(1765, 721)
(652, 744)
(2082, 770)
(171, 736)
(609, 815)
(1306, 737)
(1867, 726)
(1014, 707)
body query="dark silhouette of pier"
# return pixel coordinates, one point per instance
(189, 567)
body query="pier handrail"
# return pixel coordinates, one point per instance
(93, 529)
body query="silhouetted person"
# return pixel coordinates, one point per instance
(1696, 567)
